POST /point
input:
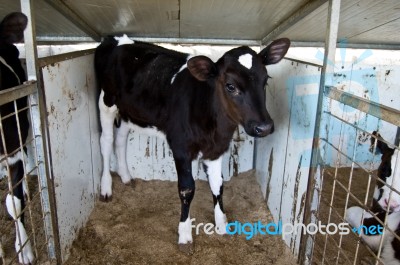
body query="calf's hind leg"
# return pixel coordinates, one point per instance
(186, 188)
(107, 117)
(120, 150)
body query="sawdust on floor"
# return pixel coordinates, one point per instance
(139, 226)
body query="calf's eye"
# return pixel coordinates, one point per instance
(231, 89)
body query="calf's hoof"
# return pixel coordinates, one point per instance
(131, 183)
(105, 198)
(187, 248)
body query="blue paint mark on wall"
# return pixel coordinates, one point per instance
(352, 78)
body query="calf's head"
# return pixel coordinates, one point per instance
(11, 31)
(12, 28)
(240, 77)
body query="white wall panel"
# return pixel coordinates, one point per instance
(149, 157)
(282, 159)
(73, 126)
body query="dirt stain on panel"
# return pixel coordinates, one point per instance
(147, 153)
(295, 196)
(270, 164)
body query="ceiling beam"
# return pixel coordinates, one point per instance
(347, 45)
(72, 16)
(298, 15)
(203, 41)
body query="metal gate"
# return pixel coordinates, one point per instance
(343, 175)
(38, 213)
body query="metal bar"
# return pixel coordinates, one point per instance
(27, 192)
(338, 159)
(375, 109)
(72, 16)
(305, 251)
(38, 112)
(29, 39)
(348, 193)
(11, 94)
(343, 154)
(303, 62)
(297, 16)
(63, 57)
(347, 45)
(234, 42)
(397, 139)
(62, 39)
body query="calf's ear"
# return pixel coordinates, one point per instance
(12, 28)
(275, 51)
(201, 67)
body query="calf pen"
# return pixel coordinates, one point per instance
(281, 161)
(345, 175)
(39, 218)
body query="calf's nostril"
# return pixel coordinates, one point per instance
(392, 205)
(259, 129)
(264, 129)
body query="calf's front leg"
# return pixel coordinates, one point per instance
(15, 205)
(214, 174)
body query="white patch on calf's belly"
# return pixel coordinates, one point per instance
(149, 131)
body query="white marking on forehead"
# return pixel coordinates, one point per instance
(246, 60)
(124, 40)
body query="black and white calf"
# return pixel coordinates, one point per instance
(385, 199)
(14, 127)
(388, 174)
(194, 102)
(391, 244)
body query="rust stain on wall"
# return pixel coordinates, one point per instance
(298, 217)
(163, 149)
(295, 196)
(236, 136)
(270, 164)
(147, 153)
(235, 154)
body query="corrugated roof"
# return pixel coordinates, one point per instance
(367, 22)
